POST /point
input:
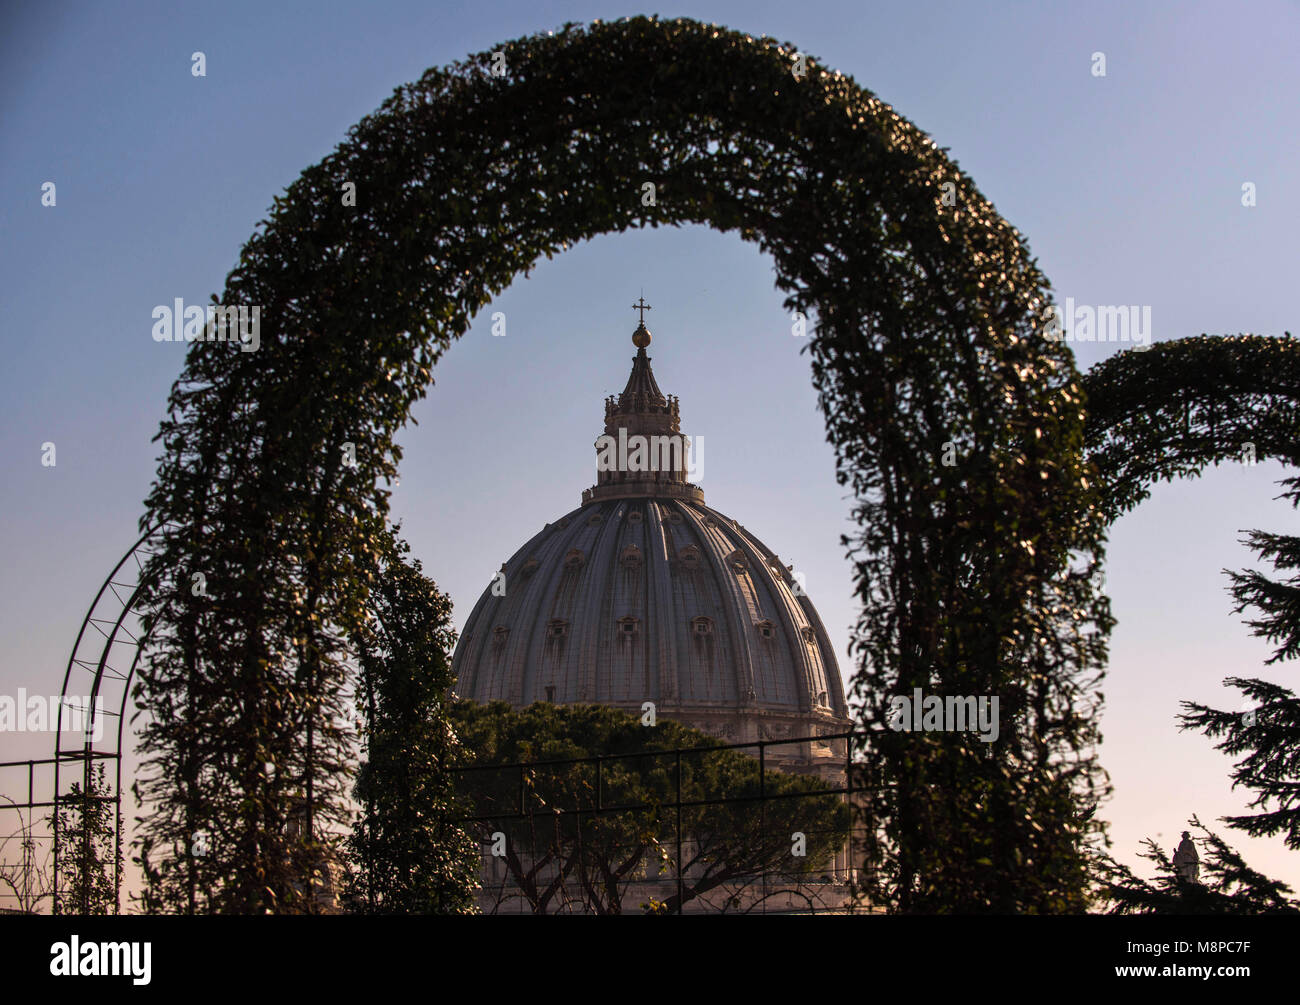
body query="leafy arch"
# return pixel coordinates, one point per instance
(1174, 409)
(956, 425)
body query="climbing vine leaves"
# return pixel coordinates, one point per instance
(958, 428)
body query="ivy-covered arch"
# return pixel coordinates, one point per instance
(1182, 405)
(956, 424)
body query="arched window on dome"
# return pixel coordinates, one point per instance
(702, 626)
(808, 634)
(499, 635)
(766, 629)
(628, 627)
(557, 628)
(689, 557)
(630, 557)
(529, 567)
(738, 562)
(634, 516)
(574, 559)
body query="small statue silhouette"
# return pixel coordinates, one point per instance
(1187, 863)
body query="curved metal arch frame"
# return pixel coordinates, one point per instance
(101, 671)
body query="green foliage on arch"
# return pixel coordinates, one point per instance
(408, 856)
(957, 426)
(1172, 410)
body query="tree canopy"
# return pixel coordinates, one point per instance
(590, 823)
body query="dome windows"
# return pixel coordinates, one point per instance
(689, 557)
(738, 562)
(628, 627)
(701, 626)
(574, 559)
(630, 557)
(809, 635)
(766, 629)
(529, 567)
(634, 516)
(594, 520)
(499, 635)
(557, 628)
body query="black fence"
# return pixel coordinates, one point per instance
(767, 826)
(770, 826)
(26, 836)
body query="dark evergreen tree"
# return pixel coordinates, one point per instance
(1226, 884)
(1277, 601)
(408, 855)
(1268, 733)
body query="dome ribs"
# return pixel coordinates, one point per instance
(601, 607)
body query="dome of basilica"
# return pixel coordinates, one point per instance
(645, 594)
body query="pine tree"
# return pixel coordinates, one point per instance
(1278, 602)
(1268, 734)
(1229, 887)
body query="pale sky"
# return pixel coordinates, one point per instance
(1128, 188)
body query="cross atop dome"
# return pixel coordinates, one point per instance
(641, 337)
(644, 411)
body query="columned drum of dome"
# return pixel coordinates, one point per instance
(645, 594)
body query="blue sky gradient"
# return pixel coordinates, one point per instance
(1128, 188)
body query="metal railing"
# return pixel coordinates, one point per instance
(563, 794)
